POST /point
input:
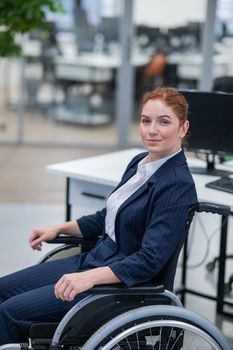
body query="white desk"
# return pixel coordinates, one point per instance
(189, 65)
(91, 180)
(92, 67)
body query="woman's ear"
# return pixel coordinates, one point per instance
(184, 129)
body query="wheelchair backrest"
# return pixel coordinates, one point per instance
(167, 274)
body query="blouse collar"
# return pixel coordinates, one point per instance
(148, 168)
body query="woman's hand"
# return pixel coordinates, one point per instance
(48, 233)
(72, 284)
(41, 234)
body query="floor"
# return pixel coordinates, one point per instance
(30, 197)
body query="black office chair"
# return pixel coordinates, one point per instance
(118, 317)
(223, 84)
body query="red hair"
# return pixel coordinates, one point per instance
(172, 98)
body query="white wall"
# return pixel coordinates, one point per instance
(168, 13)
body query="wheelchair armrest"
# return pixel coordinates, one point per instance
(66, 239)
(120, 289)
(213, 208)
(85, 244)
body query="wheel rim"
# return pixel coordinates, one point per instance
(189, 335)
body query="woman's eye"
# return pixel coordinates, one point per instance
(145, 121)
(164, 122)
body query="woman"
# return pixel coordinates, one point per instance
(141, 225)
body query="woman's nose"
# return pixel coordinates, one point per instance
(153, 129)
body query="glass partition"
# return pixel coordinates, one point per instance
(68, 79)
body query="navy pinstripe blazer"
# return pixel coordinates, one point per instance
(148, 226)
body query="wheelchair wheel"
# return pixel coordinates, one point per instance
(158, 328)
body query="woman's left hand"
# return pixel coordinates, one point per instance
(72, 284)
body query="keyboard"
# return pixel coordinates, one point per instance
(223, 184)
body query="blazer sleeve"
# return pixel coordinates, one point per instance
(160, 239)
(92, 225)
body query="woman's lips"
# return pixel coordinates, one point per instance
(153, 141)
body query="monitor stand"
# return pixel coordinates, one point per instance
(210, 168)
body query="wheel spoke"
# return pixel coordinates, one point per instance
(152, 342)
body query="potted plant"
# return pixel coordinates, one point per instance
(19, 17)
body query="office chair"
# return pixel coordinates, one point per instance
(223, 84)
(118, 317)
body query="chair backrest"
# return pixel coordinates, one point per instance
(167, 274)
(224, 84)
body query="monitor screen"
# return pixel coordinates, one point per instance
(109, 27)
(211, 123)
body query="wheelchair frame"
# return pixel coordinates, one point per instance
(143, 313)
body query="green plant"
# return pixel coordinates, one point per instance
(19, 17)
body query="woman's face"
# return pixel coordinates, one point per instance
(160, 129)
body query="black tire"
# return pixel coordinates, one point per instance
(158, 327)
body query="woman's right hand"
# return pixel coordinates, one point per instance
(42, 234)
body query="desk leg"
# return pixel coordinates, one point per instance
(222, 263)
(68, 206)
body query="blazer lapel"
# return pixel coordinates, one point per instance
(169, 165)
(178, 160)
(132, 171)
(138, 193)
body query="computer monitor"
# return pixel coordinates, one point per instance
(109, 27)
(211, 127)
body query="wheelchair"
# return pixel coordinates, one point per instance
(142, 317)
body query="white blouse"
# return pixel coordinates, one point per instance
(117, 198)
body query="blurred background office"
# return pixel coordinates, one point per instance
(82, 77)
(75, 92)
